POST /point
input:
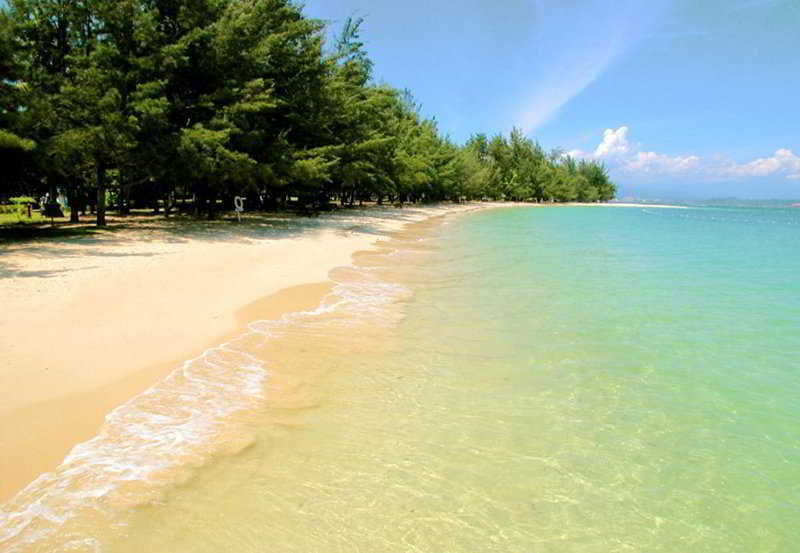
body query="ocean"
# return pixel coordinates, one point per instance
(539, 379)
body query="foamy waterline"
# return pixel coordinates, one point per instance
(169, 424)
(159, 437)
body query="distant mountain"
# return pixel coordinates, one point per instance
(743, 202)
(714, 202)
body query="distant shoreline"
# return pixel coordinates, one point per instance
(625, 204)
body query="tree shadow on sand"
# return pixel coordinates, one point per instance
(75, 242)
(8, 270)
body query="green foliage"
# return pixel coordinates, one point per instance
(212, 98)
(10, 141)
(17, 216)
(22, 200)
(205, 155)
(17, 211)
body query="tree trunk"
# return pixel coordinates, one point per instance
(72, 198)
(101, 194)
(124, 196)
(198, 203)
(212, 205)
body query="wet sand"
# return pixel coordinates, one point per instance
(90, 322)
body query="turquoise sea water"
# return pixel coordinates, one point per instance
(570, 379)
(645, 367)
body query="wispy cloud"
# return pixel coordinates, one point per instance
(575, 43)
(630, 159)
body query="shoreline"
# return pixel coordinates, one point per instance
(147, 307)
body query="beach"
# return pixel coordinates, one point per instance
(259, 294)
(442, 385)
(90, 322)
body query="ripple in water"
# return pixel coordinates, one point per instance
(160, 437)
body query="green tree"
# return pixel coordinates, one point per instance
(15, 150)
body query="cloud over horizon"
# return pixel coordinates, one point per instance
(623, 156)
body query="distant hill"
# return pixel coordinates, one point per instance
(716, 202)
(740, 202)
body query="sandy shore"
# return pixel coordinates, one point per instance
(90, 321)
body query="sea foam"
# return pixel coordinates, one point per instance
(157, 438)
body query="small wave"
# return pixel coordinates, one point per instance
(158, 438)
(143, 446)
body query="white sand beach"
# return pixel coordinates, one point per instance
(90, 321)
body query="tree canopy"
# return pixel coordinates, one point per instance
(149, 102)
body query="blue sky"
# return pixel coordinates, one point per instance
(680, 98)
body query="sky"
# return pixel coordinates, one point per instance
(679, 98)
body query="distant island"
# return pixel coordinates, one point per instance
(714, 202)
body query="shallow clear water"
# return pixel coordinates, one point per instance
(524, 379)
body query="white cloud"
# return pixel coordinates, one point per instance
(615, 142)
(782, 161)
(623, 155)
(653, 163)
(629, 158)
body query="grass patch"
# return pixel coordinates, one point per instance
(21, 218)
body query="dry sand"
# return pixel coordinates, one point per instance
(88, 322)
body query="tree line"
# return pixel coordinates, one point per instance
(191, 102)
